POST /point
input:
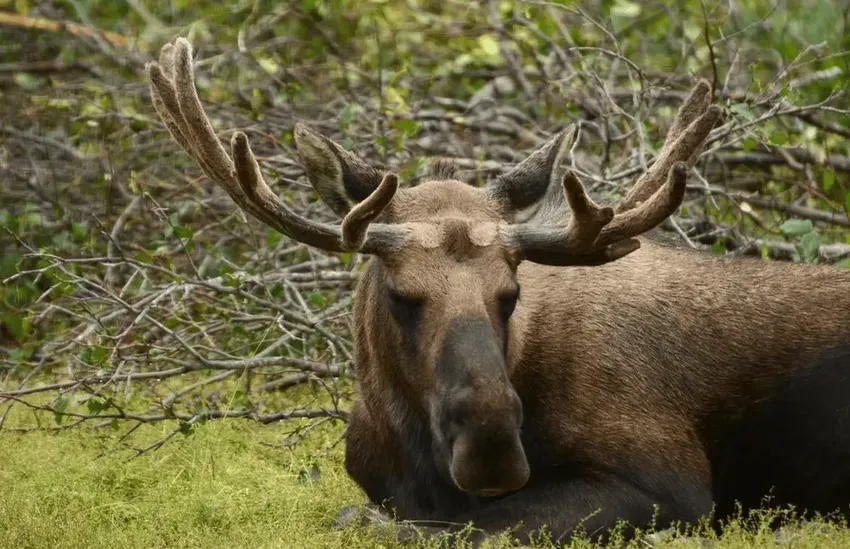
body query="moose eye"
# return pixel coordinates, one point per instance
(404, 308)
(507, 304)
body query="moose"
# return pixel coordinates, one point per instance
(528, 359)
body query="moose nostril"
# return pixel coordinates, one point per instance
(486, 466)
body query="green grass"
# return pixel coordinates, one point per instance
(220, 487)
(229, 484)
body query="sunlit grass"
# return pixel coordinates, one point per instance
(229, 484)
(219, 487)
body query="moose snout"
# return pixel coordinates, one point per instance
(482, 431)
(489, 464)
(476, 413)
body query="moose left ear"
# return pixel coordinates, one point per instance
(527, 183)
(340, 177)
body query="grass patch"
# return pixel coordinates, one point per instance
(229, 484)
(220, 487)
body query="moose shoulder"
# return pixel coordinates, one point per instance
(524, 359)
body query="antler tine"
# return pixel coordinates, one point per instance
(695, 104)
(161, 78)
(578, 244)
(198, 126)
(649, 213)
(357, 221)
(684, 140)
(176, 101)
(163, 72)
(588, 218)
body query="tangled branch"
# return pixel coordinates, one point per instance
(136, 293)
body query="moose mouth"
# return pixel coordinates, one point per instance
(488, 466)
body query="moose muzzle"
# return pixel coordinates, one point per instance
(476, 413)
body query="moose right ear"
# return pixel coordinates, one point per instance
(529, 181)
(340, 177)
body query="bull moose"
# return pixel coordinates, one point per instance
(528, 358)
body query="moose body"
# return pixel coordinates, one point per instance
(523, 359)
(669, 378)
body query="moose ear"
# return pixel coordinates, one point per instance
(340, 177)
(527, 183)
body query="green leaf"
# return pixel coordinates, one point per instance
(650, 146)
(183, 232)
(394, 99)
(232, 281)
(94, 355)
(60, 407)
(847, 202)
(80, 231)
(809, 246)
(273, 238)
(718, 247)
(779, 138)
(21, 354)
(318, 299)
(749, 144)
(625, 8)
(23, 7)
(286, 137)
(27, 81)
(268, 65)
(743, 111)
(16, 323)
(96, 405)
(488, 44)
(409, 127)
(828, 180)
(139, 124)
(60, 103)
(796, 227)
(346, 116)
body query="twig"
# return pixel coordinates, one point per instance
(68, 150)
(37, 67)
(797, 210)
(49, 25)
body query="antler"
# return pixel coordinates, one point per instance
(683, 143)
(595, 235)
(172, 84)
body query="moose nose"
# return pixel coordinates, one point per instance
(489, 464)
(487, 456)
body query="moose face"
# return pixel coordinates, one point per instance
(441, 289)
(449, 294)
